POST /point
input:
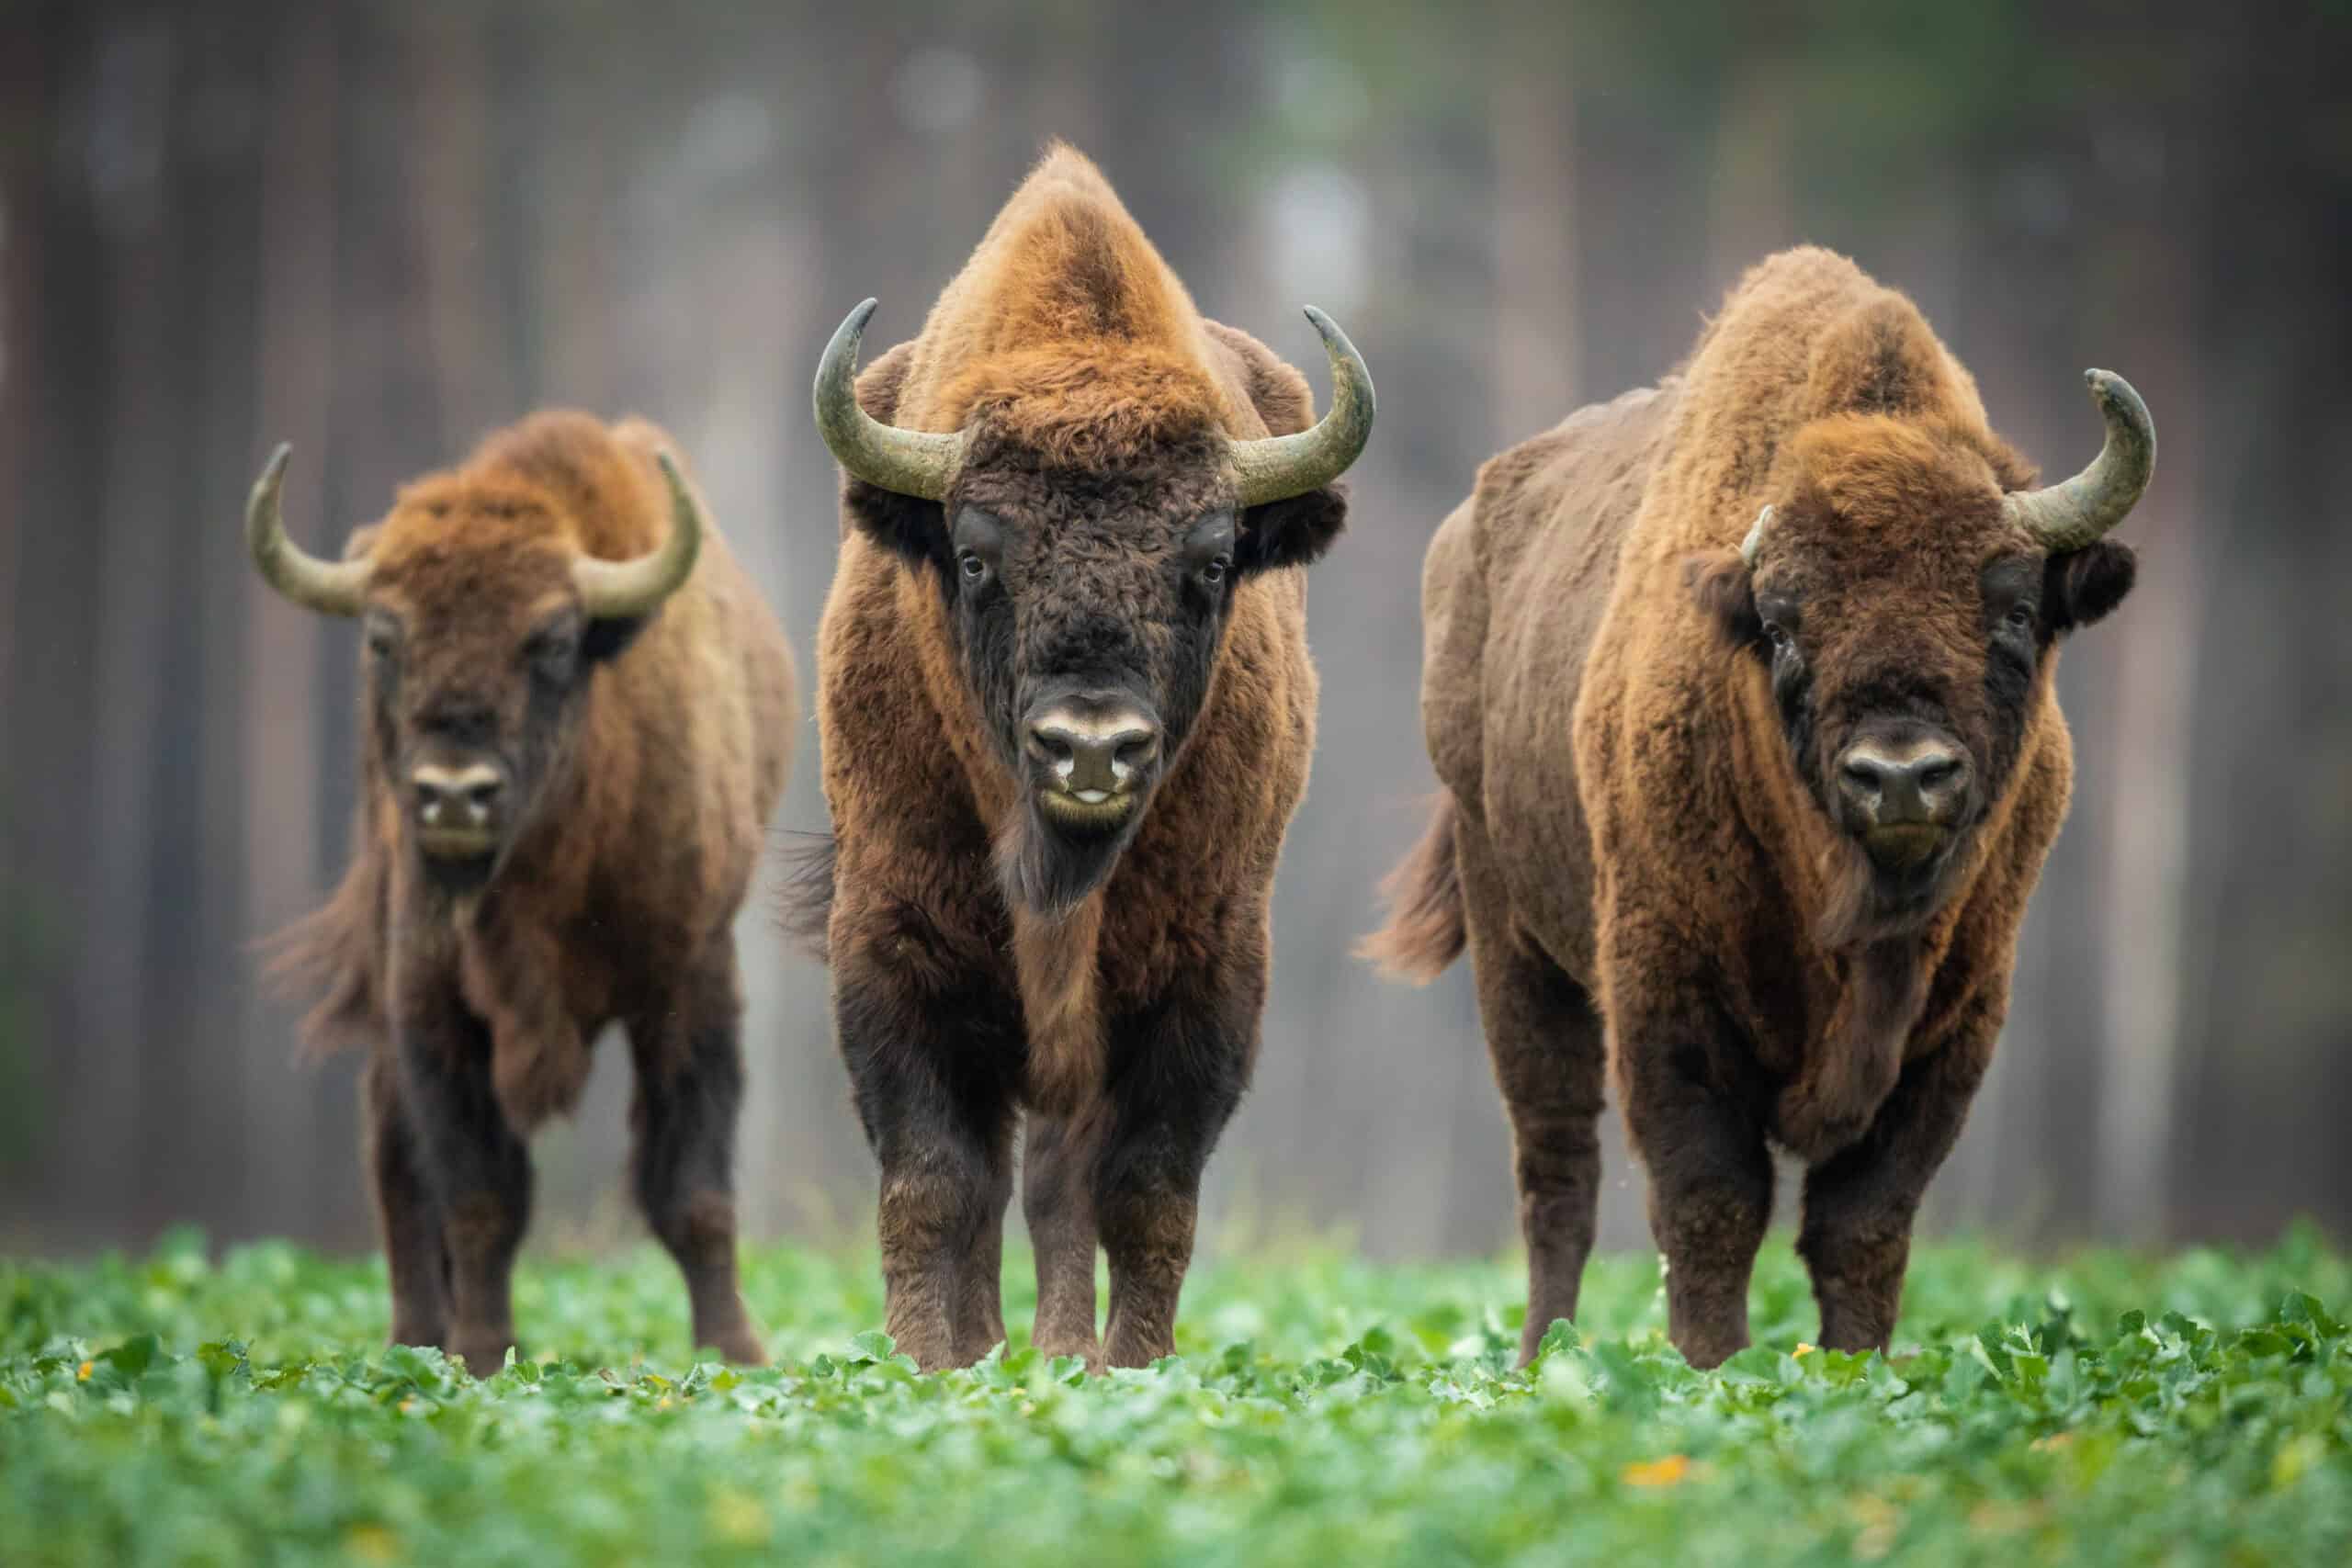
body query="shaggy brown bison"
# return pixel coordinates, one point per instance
(1740, 689)
(576, 719)
(1065, 708)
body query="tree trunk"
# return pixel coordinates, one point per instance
(1536, 340)
(2153, 646)
(1751, 208)
(281, 738)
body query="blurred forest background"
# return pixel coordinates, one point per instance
(379, 228)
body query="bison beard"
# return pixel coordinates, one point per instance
(1799, 607)
(1066, 710)
(1049, 869)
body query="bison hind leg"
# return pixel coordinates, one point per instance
(1544, 1036)
(689, 1059)
(414, 1254)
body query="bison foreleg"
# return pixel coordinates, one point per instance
(1177, 1074)
(1710, 1179)
(479, 1171)
(978, 1317)
(689, 1060)
(405, 1213)
(1859, 1204)
(938, 1184)
(933, 1074)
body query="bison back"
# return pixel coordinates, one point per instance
(1514, 596)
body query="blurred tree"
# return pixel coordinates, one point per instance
(290, 844)
(377, 229)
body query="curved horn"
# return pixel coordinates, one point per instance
(623, 590)
(332, 588)
(1753, 546)
(2067, 517)
(1279, 466)
(910, 462)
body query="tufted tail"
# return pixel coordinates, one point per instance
(1425, 930)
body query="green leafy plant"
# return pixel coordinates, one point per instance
(2104, 1408)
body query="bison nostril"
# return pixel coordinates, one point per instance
(469, 795)
(1132, 752)
(1091, 747)
(1050, 743)
(1864, 774)
(1938, 775)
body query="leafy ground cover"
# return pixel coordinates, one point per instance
(175, 1408)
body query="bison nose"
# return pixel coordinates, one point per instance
(458, 808)
(1890, 787)
(1093, 751)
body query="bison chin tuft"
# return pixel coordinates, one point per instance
(1874, 898)
(455, 876)
(1049, 859)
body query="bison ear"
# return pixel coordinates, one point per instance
(608, 637)
(1726, 593)
(914, 528)
(2081, 586)
(1291, 533)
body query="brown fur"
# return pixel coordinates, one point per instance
(1425, 930)
(1090, 390)
(613, 901)
(1678, 868)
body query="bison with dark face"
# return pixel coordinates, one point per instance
(1067, 709)
(576, 720)
(1777, 876)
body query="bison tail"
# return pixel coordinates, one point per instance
(1425, 930)
(805, 895)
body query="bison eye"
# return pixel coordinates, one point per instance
(551, 651)
(1213, 571)
(1778, 635)
(2021, 616)
(974, 568)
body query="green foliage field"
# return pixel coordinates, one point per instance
(172, 1409)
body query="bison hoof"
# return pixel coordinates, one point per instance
(415, 1332)
(1087, 1351)
(740, 1346)
(484, 1354)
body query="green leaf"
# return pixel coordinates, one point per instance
(134, 1355)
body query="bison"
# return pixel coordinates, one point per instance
(1066, 710)
(1740, 691)
(575, 721)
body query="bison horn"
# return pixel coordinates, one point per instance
(1753, 546)
(1279, 466)
(2067, 517)
(909, 462)
(623, 590)
(332, 588)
